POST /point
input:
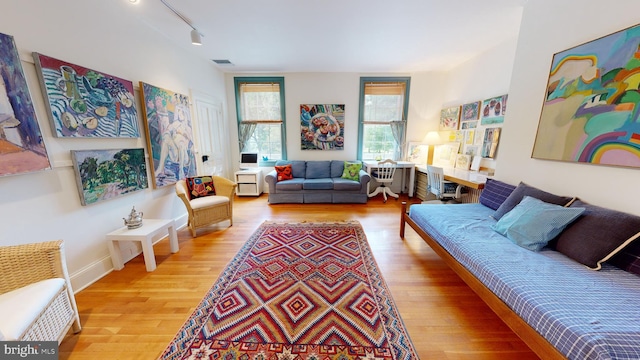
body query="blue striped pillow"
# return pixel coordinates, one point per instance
(533, 223)
(495, 193)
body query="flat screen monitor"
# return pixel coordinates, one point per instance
(248, 160)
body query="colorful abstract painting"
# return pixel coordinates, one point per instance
(169, 134)
(450, 118)
(85, 103)
(470, 111)
(107, 174)
(22, 149)
(322, 127)
(493, 110)
(591, 113)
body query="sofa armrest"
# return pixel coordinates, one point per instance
(271, 178)
(364, 180)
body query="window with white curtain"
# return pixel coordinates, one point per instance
(261, 117)
(384, 103)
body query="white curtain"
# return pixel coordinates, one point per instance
(398, 131)
(245, 131)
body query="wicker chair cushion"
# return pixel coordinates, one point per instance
(21, 307)
(207, 201)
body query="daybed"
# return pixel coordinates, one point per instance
(565, 299)
(299, 181)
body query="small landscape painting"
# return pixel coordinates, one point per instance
(107, 174)
(85, 103)
(322, 126)
(493, 110)
(22, 149)
(169, 134)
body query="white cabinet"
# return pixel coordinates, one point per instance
(249, 182)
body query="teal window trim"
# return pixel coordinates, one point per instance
(258, 80)
(405, 107)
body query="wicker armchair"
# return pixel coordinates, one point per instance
(36, 298)
(204, 211)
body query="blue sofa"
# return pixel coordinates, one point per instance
(316, 182)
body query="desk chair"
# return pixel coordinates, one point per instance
(383, 173)
(443, 190)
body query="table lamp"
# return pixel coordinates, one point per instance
(432, 138)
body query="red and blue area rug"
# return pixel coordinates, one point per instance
(297, 291)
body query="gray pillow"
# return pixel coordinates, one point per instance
(523, 190)
(597, 235)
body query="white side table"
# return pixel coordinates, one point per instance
(145, 234)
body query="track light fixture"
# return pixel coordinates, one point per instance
(196, 37)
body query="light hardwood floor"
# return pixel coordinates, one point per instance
(134, 314)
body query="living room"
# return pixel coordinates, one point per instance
(45, 205)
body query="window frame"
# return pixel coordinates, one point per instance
(405, 107)
(283, 133)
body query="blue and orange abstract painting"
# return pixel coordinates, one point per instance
(22, 149)
(592, 105)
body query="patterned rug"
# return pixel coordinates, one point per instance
(297, 291)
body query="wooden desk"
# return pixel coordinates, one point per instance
(402, 165)
(472, 179)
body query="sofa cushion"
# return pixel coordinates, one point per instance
(290, 185)
(346, 184)
(318, 170)
(20, 307)
(318, 184)
(495, 192)
(351, 170)
(284, 172)
(298, 167)
(526, 190)
(200, 186)
(533, 223)
(598, 235)
(337, 167)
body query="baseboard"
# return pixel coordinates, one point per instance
(95, 271)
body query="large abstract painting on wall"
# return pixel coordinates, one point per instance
(322, 126)
(107, 174)
(591, 112)
(86, 103)
(22, 149)
(169, 136)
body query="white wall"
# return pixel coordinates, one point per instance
(548, 27)
(111, 37)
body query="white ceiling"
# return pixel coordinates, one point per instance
(365, 36)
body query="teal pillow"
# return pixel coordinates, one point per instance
(351, 171)
(533, 223)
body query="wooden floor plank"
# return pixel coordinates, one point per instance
(133, 314)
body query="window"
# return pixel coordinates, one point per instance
(261, 120)
(384, 103)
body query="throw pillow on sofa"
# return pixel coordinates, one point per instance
(533, 223)
(495, 192)
(598, 235)
(351, 171)
(284, 172)
(526, 190)
(200, 186)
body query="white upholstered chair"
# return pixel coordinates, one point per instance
(383, 173)
(443, 190)
(204, 211)
(36, 298)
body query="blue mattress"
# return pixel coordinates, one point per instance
(585, 314)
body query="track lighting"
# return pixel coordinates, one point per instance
(196, 37)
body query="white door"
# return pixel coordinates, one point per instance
(211, 136)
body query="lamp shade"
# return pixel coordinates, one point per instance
(195, 37)
(432, 138)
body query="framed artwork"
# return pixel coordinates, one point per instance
(417, 153)
(493, 110)
(85, 103)
(590, 112)
(445, 155)
(490, 143)
(466, 125)
(169, 134)
(463, 161)
(450, 118)
(108, 174)
(470, 111)
(322, 127)
(22, 149)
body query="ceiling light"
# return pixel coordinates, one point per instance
(195, 37)
(134, 1)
